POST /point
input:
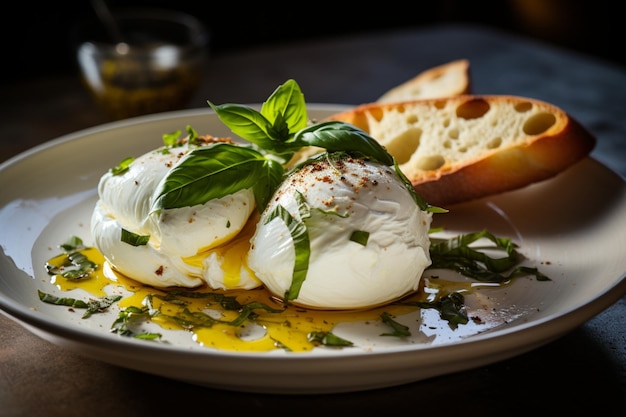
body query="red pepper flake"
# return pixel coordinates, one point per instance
(159, 271)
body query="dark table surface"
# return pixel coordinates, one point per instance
(580, 373)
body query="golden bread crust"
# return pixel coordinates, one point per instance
(449, 79)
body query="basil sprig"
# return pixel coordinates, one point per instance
(272, 128)
(275, 133)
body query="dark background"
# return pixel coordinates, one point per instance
(37, 35)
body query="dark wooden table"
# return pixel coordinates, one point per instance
(583, 372)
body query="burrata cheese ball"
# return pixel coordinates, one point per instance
(369, 240)
(182, 247)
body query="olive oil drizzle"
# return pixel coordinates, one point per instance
(244, 320)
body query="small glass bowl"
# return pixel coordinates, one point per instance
(157, 64)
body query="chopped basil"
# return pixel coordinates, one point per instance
(172, 139)
(61, 301)
(122, 167)
(134, 239)
(360, 237)
(456, 254)
(93, 306)
(192, 135)
(72, 244)
(75, 265)
(451, 308)
(188, 319)
(399, 330)
(328, 339)
(123, 325)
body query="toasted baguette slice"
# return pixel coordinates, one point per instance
(467, 147)
(450, 79)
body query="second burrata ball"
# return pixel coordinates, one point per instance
(369, 241)
(188, 246)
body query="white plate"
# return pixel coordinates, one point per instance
(573, 227)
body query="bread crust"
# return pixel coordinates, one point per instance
(535, 140)
(449, 79)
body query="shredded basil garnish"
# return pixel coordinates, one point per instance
(300, 235)
(328, 339)
(360, 236)
(92, 306)
(172, 139)
(122, 167)
(134, 239)
(189, 319)
(123, 325)
(456, 254)
(399, 330)
(75, 265)
(451, 308)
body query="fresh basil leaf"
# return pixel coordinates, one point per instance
(340, 136)
(215, 171)
(247, 123)
(287, 106)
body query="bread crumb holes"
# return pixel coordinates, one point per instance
(411, 119)
(430, 163)
(539, 123)
(473, 109)
(494, 143)
(403, 146)
(523, 107)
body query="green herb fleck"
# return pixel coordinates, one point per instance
(360, 237)
(134, 239)
(75, 265)
(122, 167)
(399, 330)
(328, 339)
(456, 254)
(93, 306)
